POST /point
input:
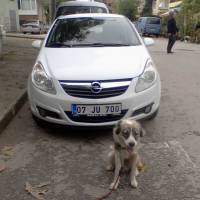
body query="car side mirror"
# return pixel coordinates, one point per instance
(37, 44)
(148, 41)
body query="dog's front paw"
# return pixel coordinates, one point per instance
(114, 185)
(137, 172)
(134, 183)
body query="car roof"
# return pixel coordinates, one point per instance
(103, 15)
(82, 3)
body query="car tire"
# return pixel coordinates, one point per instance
(24, 32)
(153, 115)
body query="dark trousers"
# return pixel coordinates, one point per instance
(171, 42)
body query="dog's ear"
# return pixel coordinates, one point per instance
(118, 127)
(142, 132)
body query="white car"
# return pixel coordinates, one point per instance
(74, 7)
(33, 27)
(93, 70)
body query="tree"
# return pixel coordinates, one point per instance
(188, 18)
(147, 10)
(191, 6)
(129, 8)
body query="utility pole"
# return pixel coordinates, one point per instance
(52, 9)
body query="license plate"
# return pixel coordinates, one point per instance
(96, 110)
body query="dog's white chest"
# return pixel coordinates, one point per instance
(124, 155)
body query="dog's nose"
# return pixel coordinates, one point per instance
(132, 144)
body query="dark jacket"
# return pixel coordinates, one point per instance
(197, 26)
(171, 26)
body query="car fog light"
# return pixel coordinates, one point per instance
(148, 109)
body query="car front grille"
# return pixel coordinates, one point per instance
(96, 89)
(95, 119)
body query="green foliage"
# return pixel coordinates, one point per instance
(147, 10)
(129, 8)
(191, 6)
(58, 1)
(188, 18)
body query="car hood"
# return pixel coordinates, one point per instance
(102, 63)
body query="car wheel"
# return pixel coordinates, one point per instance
(153, 115)
(24, 32)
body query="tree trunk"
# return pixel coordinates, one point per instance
(52, 9)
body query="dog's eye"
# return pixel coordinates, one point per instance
(125, 133)
(136, 134)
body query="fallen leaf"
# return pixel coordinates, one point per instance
(7, 151)
(43, 184)
(7, 148)
(36, 191)
(2, 167)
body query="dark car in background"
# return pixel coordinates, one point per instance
(149, 26)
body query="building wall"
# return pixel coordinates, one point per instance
(33, 14)
(9, 15)
(40, 10)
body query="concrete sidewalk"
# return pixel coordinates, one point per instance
(18, 59)
(74, 162)
(27, 36)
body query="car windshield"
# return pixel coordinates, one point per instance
(68, 10)
(94, 32)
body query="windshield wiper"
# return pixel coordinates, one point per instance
(59, 44)
(101, 45)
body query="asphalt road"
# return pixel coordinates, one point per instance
(73, 162)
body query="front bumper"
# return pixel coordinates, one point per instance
(133, 104)
(30, 30)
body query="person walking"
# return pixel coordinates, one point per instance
(172, 31)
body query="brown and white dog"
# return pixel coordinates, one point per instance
(124, 154)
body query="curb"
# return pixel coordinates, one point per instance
(26, 36)
(9, 114)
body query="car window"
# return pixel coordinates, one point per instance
(68, 10)
(153, 21)
(88, 31)
(98, 10)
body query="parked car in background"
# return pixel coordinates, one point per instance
(2, 31)
(149, 25)
(74, 7)
(85, 75)
(33, 27)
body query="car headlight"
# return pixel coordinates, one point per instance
(41, 80)
(148, 77)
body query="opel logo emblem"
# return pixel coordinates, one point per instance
(96, 87)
